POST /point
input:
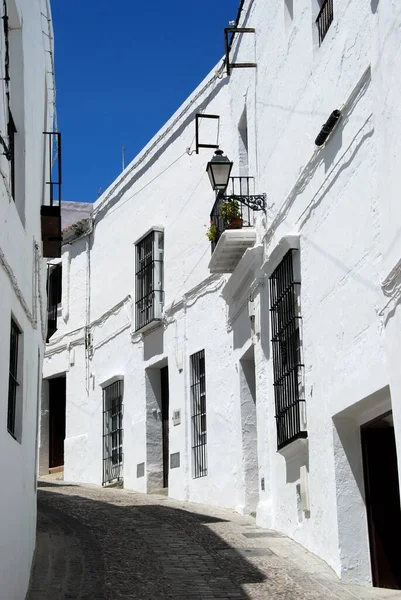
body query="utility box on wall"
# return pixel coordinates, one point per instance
(176, 417)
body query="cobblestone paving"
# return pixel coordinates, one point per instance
(108, 544)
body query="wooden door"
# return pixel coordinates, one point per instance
(382, 504)
(56, 421)
(165, 422)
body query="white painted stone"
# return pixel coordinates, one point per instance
(23, 279)
(339, 205)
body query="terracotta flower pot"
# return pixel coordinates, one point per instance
(235, 223)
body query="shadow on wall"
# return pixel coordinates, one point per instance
(373, 5)
(143, 551)
(265, 320)
(242, 329)
(153, 343)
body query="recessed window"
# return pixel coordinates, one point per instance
(243, 144)
(324, 18)
(14, 382)
(54, 290)
(198, 398)
(15, 105)
(287, 355)
(149, 279)
(288, 12)
(112, 432)
(11, 131)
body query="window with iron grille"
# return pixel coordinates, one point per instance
(324, 18)
(112, 432)
(198, 398)
(54, 290)
(13, 382)
(149, 279)
(11, 131)
(287, 359)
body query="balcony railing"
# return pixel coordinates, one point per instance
(238, 186)
(324, 19)
(51, 213)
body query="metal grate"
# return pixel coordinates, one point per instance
(324, 19)
(198, 396)
(239, 186)
(149, 279)
(286, 342)
(112, 432)
(13, 377)
(54, 283)
(11, 131)
(55, 165)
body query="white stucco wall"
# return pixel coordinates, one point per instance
(339, 203)
(22, 283)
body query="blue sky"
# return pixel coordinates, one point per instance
(122, 68)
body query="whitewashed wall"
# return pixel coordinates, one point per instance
(22, 284)
(340, 203)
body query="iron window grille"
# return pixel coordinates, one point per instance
(11, 131)
(54, 290)
(13, 382)
(324, 19)
(287, 359)
(149, 279)
(112, 432)
(198, 397)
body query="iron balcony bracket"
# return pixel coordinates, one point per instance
(256, 202)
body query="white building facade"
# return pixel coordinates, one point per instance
(27, 111)
(261, 374)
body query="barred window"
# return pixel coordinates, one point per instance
(198, 397)
(287, 359)
(149, 279)
(324, 18)
(112, 432)
(13, 381)
(11, 131)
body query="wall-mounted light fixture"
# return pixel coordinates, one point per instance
(328, 127)
(219, 170)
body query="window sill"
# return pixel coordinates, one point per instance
(152, 325)
(297, 447)
(14, 437)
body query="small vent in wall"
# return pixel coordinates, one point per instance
(174, 460)
(140, 470)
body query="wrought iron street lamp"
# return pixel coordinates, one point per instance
(219, 170)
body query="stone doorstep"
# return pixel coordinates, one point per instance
(59, 469)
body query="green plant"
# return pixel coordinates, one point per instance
(229, 210)
(213, 232)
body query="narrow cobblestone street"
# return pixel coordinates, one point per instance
(106, 544)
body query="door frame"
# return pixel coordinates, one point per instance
(373, 549)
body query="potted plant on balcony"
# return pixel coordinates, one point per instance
(230, 212)
(213, 232)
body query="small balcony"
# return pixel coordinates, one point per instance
(232, 224)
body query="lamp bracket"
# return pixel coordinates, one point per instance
(198, 143)
(256, 202)
(228, 41)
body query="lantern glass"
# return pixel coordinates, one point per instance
(219, 170)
